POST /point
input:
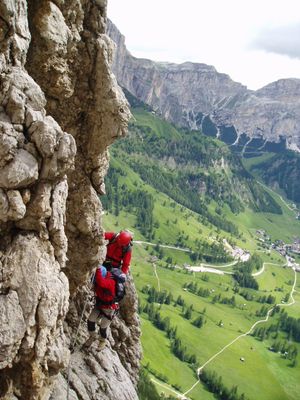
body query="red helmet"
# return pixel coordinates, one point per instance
(124, 238)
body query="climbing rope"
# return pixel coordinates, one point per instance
(73, 343)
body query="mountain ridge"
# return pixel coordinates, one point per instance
(185, 94)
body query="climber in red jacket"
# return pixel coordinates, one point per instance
(109, 290)
(119, 250)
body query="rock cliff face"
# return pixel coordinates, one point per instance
(198, 97)
(60, 109)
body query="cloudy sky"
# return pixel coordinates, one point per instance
(254, 41)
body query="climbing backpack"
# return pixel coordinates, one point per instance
(105, 296)
(120, 279)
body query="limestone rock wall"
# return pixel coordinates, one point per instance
(60, 109)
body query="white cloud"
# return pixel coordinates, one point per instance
(281, 40)
(230, 35)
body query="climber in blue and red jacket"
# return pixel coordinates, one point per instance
(109, 287)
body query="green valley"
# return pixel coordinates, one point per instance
(279, 170)
(191, 202)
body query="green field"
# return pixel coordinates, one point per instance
(252, 161)
(209, 339)
(174, 218)
(263, 375)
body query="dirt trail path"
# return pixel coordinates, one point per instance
(247, 333)
(263, 268)
(178, 394)
(157, 277)
(183, 395)
(277, 194)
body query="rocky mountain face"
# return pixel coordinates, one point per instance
(196, 96)
(60, 109)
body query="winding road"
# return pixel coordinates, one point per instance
(163, 245)
(215, 268)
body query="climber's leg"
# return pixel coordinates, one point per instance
(94, 315)
(91, 325)
(107, 316)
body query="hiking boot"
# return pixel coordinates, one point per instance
(101, 344)
(93, 336)
(103, 333)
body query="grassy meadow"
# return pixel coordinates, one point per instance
(206, 341)
(263, 374)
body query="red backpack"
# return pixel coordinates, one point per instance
(115, 292)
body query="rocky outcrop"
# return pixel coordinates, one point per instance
(196, 96)
(111, 373)
(60, 109)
